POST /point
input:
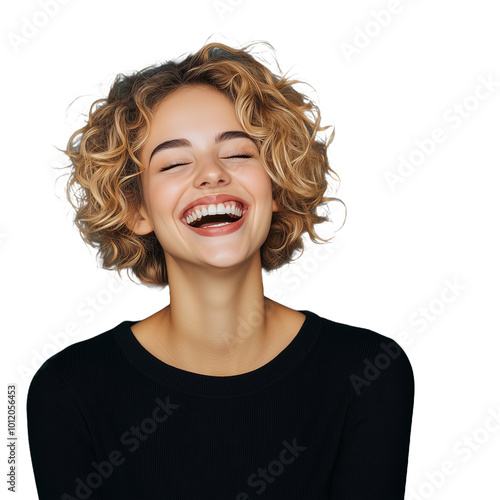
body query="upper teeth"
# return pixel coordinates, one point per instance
(199, 211)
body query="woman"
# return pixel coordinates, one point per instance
(199, 174)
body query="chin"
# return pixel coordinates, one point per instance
(226, 259)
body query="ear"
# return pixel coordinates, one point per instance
(139, 221)
(275, 206)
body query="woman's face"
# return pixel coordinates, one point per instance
(187, 158)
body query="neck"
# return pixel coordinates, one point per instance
(218, 320)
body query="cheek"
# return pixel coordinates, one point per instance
(162, 199)
(259, 182)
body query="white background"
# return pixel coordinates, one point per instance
(430, 243)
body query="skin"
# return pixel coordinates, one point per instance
(218, 321)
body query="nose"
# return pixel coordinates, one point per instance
(211, 173)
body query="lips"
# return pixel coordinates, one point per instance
(213, 199)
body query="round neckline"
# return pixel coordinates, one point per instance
(219, 386)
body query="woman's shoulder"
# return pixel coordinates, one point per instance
(352, 335)
(80, 358)
(363, 352)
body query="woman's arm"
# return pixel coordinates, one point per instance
(373, 455)
(60, 444)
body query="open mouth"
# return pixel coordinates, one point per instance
(212, 215)
(215, 220)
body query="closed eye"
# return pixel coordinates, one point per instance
(242, 155)
(168, 167)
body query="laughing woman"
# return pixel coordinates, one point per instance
(199, 175)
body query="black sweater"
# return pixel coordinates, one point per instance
(328, 418)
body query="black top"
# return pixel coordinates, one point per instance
(328, 418)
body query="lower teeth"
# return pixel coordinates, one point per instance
(217, 225)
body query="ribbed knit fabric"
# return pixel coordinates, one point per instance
(328, 418)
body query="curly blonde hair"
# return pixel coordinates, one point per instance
(104, 177)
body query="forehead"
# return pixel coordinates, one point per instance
(194, 101)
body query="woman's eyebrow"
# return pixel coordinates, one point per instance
(184, 143)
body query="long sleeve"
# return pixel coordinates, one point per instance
(373, 455)
(312, 424)
(60, 445)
